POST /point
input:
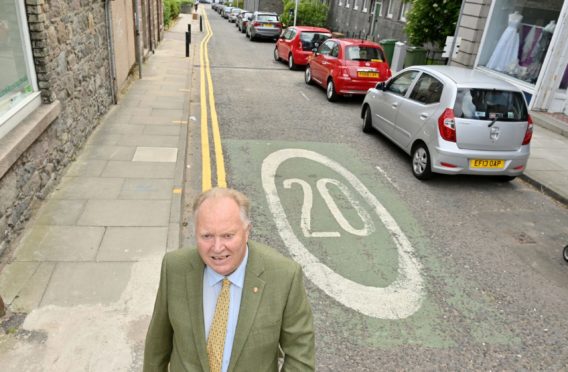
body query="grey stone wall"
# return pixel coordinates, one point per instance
(470, 29)
(69, 42)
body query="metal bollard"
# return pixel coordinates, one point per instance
(189, 31)
(200, 23)
(187, 41)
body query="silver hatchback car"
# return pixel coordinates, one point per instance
(452, 120)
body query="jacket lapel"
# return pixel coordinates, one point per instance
(249, 303)
(194, 287)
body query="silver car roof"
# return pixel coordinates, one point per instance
(468, 78)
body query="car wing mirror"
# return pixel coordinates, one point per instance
(315, 50)
(381, 85)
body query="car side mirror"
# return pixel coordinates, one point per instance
(380, 86)
(315, 50)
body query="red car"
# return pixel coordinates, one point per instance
(347, 67)
(296, 44)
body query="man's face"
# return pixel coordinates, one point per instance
(221, 234)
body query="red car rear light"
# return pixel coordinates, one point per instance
(278, 24)
(256, 24)
(447, 125)
(529, 132)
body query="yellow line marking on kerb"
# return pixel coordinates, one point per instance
(205, 157)
(177, 190)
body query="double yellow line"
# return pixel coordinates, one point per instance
(205, 71)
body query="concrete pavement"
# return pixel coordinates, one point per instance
(81, 283)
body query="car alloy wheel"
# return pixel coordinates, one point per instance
(331, 94)
(565, 253)
(367, 120)
(308, 75)
(291, 64)
(421, 167)
(276, 56)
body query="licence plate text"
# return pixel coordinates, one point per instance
(268, 25)
(486, 163)
(369, 74)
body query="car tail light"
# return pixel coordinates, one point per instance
(520, 167)
(448, 165)
(278, 24)
(256, 24)
(529, 132)
(447, 125)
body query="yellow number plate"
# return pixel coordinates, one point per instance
(367, 74)
(486, 163)
(268, 25)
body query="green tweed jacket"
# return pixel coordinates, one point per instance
(274, 312)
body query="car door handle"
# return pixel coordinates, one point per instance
(395, 105)
(424, 116)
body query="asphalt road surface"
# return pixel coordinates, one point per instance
(456, 273)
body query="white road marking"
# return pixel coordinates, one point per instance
(306, 97)
(305, 219)
(387, 177)
(399, 300)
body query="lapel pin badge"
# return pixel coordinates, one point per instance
(255, 289)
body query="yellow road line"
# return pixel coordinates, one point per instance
(205, 157)
(219, 159)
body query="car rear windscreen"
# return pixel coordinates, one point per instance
(489, 104)
(364, 53)
(267, 18)
(311, 40)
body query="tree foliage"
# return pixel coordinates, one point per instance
(431, 21)
(310, 13)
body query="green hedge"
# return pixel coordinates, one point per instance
(310, 13)
(171, 10)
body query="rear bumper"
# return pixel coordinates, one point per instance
(515, 161)
(350, 86)
(268, 33)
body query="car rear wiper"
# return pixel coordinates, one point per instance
(492, 122)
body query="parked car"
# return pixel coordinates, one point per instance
(232, 17)
(242, 20)
(225, 11)
(347, 67)
(264, 25)
(453, 120)
(296, 44)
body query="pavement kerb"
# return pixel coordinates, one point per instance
(544, 188)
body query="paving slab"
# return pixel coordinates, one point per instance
(107, 152)
(126, 213)
(133, 243)
(80, 283)
(163, 129)
(60, 212)
(88, 188)
(83, 167)
(31, 294)
(148, 140)
(14, 276)
(156, 154)
(148, 189)
(122, 129)
(60, 243)
(128, 169)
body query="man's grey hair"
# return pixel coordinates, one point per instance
(218, 192)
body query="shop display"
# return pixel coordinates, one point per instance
(505, 56)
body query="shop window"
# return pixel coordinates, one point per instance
(518, 38)
(18, 88)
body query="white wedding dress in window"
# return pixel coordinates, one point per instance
(506, 53)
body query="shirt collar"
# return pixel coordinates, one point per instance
(237, 277)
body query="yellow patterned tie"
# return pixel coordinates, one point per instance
(218, 330)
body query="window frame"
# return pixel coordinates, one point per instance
(365, 6)
(11, 118)
(405, 8)
(389, 9)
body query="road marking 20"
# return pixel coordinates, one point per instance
(400, 299)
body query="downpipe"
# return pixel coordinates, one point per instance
(112, 70)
